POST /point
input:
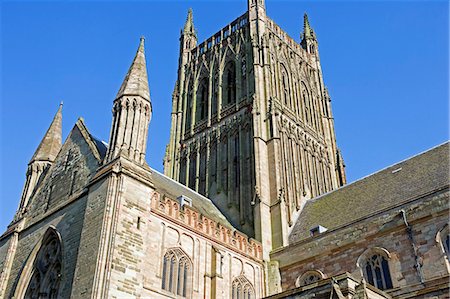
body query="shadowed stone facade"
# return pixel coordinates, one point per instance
(252, 202)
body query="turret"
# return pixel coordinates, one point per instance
(43, 158)
(308, 37)
(132, 112)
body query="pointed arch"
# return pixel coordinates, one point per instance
(177, 273)
(375, 266)
(42, 274)
(285, 85)
(202, 99)
(443, 239)
(229, 83)
(242, 288)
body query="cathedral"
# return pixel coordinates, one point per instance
(253, 202)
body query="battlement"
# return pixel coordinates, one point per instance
(195, 221)
(281, 34)
(222, 36)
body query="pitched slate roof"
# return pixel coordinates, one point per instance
(413, 177)
(173, 189)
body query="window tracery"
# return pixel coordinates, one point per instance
(375, 268)
(309, 277)
(46, 274)
(242, 288)
(176, 273)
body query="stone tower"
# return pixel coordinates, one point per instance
(42, 159)
(132, 111)
(252, 127)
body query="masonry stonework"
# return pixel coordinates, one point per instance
(253, 201)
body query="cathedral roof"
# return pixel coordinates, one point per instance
(203, 205)
(136, 80)
(50, 145)
(392, 186)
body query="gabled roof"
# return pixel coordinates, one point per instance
(401, 182)
(174, 189)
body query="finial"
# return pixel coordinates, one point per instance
(61, 104)
(142, 39)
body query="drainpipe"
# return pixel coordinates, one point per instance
(418, 260)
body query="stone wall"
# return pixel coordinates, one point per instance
(336, 251)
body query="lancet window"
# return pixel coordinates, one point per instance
(285, 86)
(202, 100)
(230, 83)
(177, 273)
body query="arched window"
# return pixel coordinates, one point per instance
(189, 104)
(229, 94)
(215, 84)
(46, 271)
(375, 267)
(176, 273)
(443, 238)
(306, 103)
(309, 277)
(285, 86)
(242, 288)
(243, 76)
(202, 100)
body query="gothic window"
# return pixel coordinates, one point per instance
(376, 271)
(224, 154)
(192, 170)
(230, 83)
(176, 273)
(443, 238)
(46, 273)
(213, 162)
(242, 288)
(189, 101)
(202, 100)
(202, 172)
(309, 277)
(243, 77)
(215, 84)
(307, 104)
(182, 174)
(236, 161)
(285, 86)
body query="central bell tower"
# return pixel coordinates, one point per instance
(252, 127)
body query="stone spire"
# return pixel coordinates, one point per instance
(50, 145)
(136, 81)
(307, 30)
(42, 159)
(131, 113)
(189, 25)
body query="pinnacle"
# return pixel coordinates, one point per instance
(50, 145)
(136, 80)
(189, 25)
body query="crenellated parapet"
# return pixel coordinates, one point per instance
(195, 221)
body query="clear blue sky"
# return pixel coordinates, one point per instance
(385, 64)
